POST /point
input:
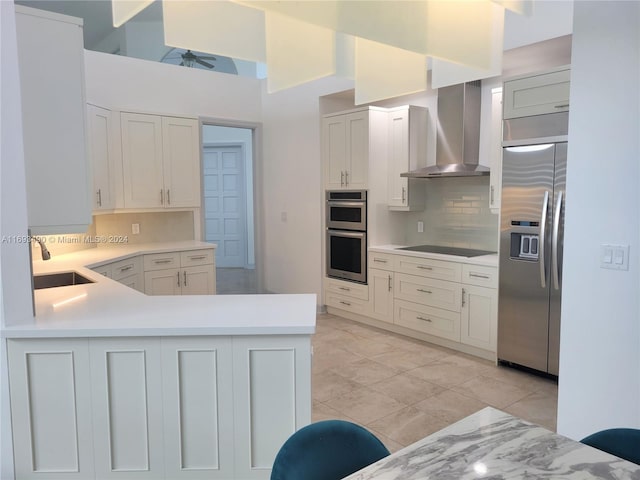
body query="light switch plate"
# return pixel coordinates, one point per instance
(614, 256)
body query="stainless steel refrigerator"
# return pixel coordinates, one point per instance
(531, 243)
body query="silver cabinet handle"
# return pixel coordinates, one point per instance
(178, 278)
(163, 261)
(346, 179)
(127, 268)
(424, 291)
(492, 190)
(463, 293)
(389, 282)
(341, 178)
(99, 197)
(345, 303)
(424, 319)
(346, 289)
(168, 197)
(541, 241)
(185, 278)
(197, 257)
(555, 268)
(379, 260)
(477, 275)
(422, 267)
(404, 193)
(562, 106)
(161, 197)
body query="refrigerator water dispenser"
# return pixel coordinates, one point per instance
(524, 246)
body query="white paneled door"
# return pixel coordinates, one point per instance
(225, 204)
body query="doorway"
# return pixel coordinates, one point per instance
(228, 217)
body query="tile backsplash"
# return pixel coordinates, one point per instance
(456, 214)
(154, 227)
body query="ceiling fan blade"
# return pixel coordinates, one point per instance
(206, 57)
(206, 64)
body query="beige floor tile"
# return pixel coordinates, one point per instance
(450, 406)
(364, 347)
(364, 405)
(408, 360)
(536, 408)
(365, 371)
(445, 372)
(322, 411)
(328, 384)
(391, 444)
(326, 356)
(406, 388)
(522, 379)
(491, 391)
(408, 425)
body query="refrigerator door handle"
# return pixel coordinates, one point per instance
(541, 242)
(554, 243)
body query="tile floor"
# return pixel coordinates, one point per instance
(232, 281)
(404, 389)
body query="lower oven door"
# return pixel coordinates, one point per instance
(347, 255)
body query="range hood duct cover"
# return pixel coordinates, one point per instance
(458, 134)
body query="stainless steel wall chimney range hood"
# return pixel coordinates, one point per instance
(458, 134)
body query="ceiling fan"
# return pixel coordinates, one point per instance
(189, 59)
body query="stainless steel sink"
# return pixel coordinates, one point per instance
(62, 279)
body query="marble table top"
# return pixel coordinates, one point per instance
(494, 445)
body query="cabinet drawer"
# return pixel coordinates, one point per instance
(349, 289)
(193, 258)
(350, 304)
(427, 291)
(426, 267)
(381, 261)
(434, 321)
(480, 275)
(160, 261)
(126, 268)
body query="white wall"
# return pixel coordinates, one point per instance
(600, 337)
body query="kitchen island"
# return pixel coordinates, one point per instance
(107, 382)
(494, 444)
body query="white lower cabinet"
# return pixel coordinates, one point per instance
(349, 296)
(156, 407)
(479, 317)
(381, 294)
(191, 273)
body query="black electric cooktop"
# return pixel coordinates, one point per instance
(461, 252)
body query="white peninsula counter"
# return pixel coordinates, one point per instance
(108, 382)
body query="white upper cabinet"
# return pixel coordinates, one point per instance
(160, 161)
(51, 65)
(546, 92)
(102, 157)
(346, 139)
(495, 152)
(407, 151)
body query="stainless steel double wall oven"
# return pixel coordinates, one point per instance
(347, 235)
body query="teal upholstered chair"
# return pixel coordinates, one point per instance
(327, 450)
(621, 442)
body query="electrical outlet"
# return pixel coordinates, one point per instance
(135, 228)
(420, 227)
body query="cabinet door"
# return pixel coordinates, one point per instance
(199, 280)
(495, 151)
(181, 160)
(198, 407)
(49, 384)
(398, 158)
(101, 155)
(357, 142)
(163, 282)
(126, 384)
(334, 141)
(381, 294)
(133, 281)
(537, 94)
(479, 317)
(142, 161)
(51, 65)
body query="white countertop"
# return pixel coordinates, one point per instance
(108, 308)
(487, 260)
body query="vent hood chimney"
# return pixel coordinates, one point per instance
(458, 134)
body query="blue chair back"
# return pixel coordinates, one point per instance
(327, 450)
(621, 442)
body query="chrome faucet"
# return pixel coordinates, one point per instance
(46, 255)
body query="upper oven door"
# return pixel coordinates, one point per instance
(347, 215)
